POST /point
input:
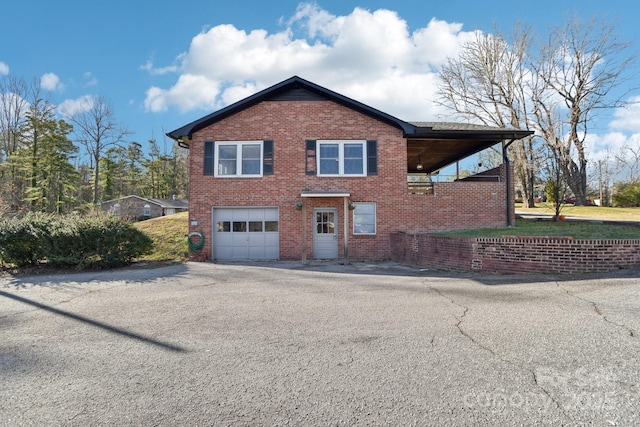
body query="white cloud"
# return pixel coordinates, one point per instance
(597, 145)
(4, 69)
(71, 107)
(89, 79)
(148, 66)
(189, 93)
(315, 21)
(49, 81)
(369, 56)
(628, 117)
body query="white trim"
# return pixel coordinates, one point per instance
(324, 194)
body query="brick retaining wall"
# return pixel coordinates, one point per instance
(514, 254)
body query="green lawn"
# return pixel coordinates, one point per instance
(575, 229)
(169, 234)
(588, 212)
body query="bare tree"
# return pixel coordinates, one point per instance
(580, 65)
(96, 129)
(487, 83)
(604, 173)
(629, 159)
(13, 109)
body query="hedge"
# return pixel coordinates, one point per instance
(71, 241)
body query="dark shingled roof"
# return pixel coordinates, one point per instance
(440, 142)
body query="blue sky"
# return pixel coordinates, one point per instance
(166, 63)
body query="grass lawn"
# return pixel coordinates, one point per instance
(588, 212)
(575, 229)
(169, 234)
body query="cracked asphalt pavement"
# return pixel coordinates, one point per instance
(322, 344)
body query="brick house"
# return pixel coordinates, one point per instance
(136, 207)
(298, 171)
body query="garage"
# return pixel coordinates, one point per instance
(247, 233)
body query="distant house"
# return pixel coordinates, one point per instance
(298, 171)
(133, 207)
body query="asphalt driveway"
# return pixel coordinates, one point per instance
(282, 344)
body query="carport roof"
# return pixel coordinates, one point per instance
(437, 144)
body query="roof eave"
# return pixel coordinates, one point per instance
(468, 134)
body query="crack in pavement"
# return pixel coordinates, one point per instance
(632, 333)
(460, 319)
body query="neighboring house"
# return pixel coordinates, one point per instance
(298, 171)
(135, 207)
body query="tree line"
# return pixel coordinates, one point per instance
(59, 165)
(555, 85)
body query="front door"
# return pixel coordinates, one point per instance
(325, 234)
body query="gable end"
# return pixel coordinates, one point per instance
(294, 88)
(298, 94)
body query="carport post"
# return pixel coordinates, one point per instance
(346, 230)
(304, 233)
(507, 165)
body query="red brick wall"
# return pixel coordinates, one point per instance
(515, 254)
(290, 124)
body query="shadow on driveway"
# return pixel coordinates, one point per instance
(95, 323)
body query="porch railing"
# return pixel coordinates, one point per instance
(421, 184)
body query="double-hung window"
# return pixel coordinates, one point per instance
(364, 218)
(341, 158)
(239, 159)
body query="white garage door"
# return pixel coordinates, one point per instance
(246, 233)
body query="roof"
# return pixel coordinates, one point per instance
(171, 203)
(163, 203)
(435, 145)
(441, 143)
(292, 88)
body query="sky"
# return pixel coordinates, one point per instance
(165, 63)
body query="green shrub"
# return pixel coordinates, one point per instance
(20, 239)
(627, 195)
(71, 241)
(116, 243)
(551, 190)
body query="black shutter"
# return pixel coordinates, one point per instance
(208, 157)
(267, 157)
(310, 161)
(372, 157)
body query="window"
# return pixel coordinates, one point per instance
(241, 226)
(341, 158)
(117, 210)
(228, 159)
(364, 218)
(271, 226)
(239, 159)
(146, 211)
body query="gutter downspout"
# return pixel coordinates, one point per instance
(507, 163)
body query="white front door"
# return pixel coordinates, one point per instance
(325, 234)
